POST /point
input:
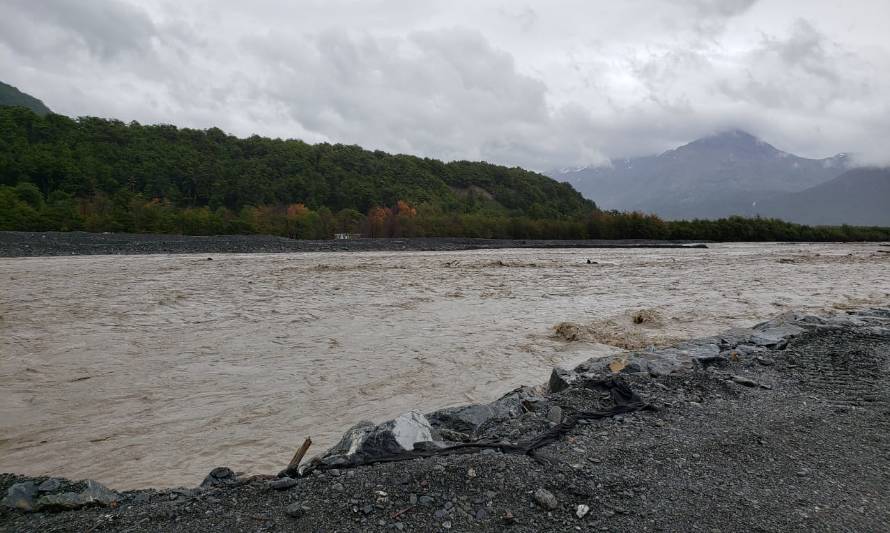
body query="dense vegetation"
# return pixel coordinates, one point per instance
(91, 174)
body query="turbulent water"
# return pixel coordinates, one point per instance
(150, 370)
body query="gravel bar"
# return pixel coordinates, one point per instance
(52, 243)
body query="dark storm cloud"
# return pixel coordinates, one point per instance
(539, 84)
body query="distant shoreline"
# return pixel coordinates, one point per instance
(53, 243)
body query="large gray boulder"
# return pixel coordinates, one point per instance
(469, 419)
(366, 442)
(21, 496)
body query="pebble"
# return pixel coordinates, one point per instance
(546, 499)
(555, 414)
(295, 510)
(582, 510)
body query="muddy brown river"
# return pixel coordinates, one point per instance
(150, 370)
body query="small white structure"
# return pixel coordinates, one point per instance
(346, 236)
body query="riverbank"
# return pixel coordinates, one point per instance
(781, 427)
(52, 243)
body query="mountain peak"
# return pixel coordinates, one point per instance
(731, 138)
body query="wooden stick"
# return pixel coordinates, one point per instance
(400, 513)
(301, 451)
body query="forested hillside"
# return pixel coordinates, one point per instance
(120, 171)
(57, 173)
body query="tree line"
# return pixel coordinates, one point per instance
(91, 174)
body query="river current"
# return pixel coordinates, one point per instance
(150, 370)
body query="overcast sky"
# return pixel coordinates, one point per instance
(541, 84)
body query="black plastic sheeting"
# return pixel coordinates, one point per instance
(624, 400)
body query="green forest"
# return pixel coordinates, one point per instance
(92, 174)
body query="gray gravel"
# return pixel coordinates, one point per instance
(29, 244)
(805, 449)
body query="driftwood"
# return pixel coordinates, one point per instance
(298, 456)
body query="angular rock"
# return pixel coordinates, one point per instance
(555, 414)
(366, 442)
(95, 493)
(546, 499)
(775, 333)
(470, 418)
(582, 510)
(219, 476)
(21, 496)
(50, 485)
(561, 379)
(283, 483)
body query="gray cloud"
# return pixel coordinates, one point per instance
(105, 29)
(525, 83)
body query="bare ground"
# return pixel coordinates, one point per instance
(30, 244)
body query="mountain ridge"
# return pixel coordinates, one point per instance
(12, 96)
(860, 196)
(718, 175)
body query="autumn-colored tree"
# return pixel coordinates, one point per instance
(405, 209)
(378, 217)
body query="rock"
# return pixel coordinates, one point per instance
(446, 524)
(775, 333)
(546, 499)
(21, 496)
(337, 487)
(480, 514)
(366, 442)
(295, 510)
(282, 483)
(555, 414)
(561, 379)
(50, 485)
(746, 382)
(470, 418)
(426, 500)
(765, 361)
(219, 476)
(412, 499)
(95, 493)
(582, 510)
